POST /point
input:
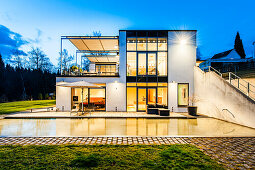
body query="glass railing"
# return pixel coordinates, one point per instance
(90, 74)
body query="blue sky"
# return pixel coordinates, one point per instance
(42, 22)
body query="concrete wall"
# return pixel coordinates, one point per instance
(181, 61)
(217, 98)
(115, 86)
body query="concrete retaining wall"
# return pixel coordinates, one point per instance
(218, 98)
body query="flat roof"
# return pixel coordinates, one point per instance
(94, 43)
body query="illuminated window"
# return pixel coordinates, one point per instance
(141, 63)
(131, 63)
(131, 44)
(152, 44)
(162, 44)
(162, 95)
(141, 44)
(162, 63)
(151, 63)
(183, 94)
(131, 99)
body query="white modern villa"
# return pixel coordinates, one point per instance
(130, 71)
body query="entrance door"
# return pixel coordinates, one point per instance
(141, 99)
(151, 96)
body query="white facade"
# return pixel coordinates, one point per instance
(181, 62)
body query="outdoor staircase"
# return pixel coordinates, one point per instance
(243, 86)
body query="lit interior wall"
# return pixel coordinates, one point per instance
(63, 98)
(181, 62)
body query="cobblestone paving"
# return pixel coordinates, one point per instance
(233, 152)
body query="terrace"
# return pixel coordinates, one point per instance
(100, 54)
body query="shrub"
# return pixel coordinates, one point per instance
(46, 96)
(91, 160)
(40, 96)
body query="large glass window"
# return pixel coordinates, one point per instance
(162, 95)
(131, 99)
(162, 44)
(131, 44)
(142, 99)
(97, 98)
(152, 44)
(131, 63)
(183, 94)
(162, 63)
(151, 63)
(151, 95)
(141, 44)
(108, 69)
(141, 63)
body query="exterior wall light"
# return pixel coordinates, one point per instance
(183, 42)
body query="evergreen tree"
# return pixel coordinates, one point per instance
(2, 71)
(239, 46)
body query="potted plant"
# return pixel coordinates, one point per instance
(74, 68)
(192, 109)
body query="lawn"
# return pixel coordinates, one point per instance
(12, 107)
(105, 157)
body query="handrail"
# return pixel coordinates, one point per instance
(229, 112)
(244, 86)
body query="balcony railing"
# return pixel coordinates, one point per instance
(89, 74)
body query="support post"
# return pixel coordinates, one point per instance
(229, 77)
(76, 58)
(248, 88)
(61, 56)
(82, 100)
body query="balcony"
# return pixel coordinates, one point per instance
(99, 57)
(77, 73)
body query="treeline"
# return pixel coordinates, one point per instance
(18, 83)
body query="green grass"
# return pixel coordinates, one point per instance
(12, 107)
(105, 157)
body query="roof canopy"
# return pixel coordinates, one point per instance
(79, 84)
(103, 58)
(93, 43)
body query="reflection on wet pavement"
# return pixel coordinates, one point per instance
(122, 127)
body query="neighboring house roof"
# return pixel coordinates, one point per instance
(221, 55)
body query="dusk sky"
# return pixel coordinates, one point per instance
(42, 22)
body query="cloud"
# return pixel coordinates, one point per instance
(38, 38)
(10, 41)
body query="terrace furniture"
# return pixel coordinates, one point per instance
(163, 112)
(154, 109)
(151, 109)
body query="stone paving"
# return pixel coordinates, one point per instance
(233, 152)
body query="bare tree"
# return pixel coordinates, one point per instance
(66, 60)
(39, 60)
(17, 58)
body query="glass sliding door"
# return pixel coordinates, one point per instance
(141, 63)
(151, 96)
(97, 98)
(151, 63)
(141, 99)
